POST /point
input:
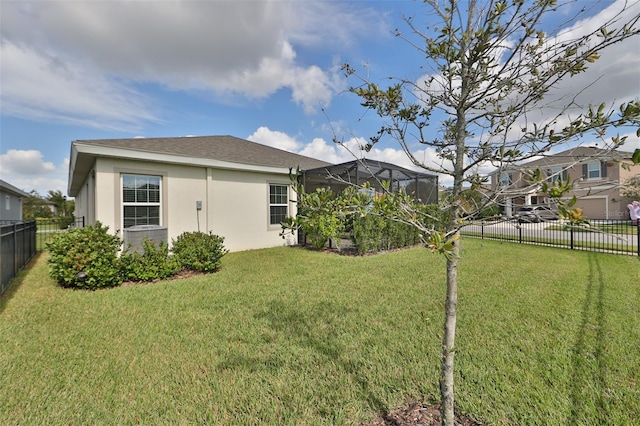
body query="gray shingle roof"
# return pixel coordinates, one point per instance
(12, 189)
(222, 148)
(577, 154)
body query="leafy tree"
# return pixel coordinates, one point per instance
(473, 204)
(55, 196)
(65, 207)
(631, 188)
(317, 216)
(35, 206)
(490, 72)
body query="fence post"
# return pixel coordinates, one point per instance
(638, 236)
(571, 232)
(16, 260)
(482, 229)
(520, 234)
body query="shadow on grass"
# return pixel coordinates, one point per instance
(17, 281)
(314, 328)
(588, 379)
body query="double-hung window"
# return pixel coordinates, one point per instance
(505, 179)
(594, 170)
(557, 174)
(278, 203)
(141, 200)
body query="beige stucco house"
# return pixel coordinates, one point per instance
(232, 187)
(596, 175)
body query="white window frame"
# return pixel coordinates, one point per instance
(505, 179)
(557, 173)
(137, 203)
(595, 166)
(277, 201)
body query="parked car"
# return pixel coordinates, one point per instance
(535, 214)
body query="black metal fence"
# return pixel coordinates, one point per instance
(49, 227)
(610, 236)
(20, 240)
(17, 247)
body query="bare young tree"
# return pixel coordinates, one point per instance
(491, 78)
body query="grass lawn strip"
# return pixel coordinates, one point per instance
(288, 336)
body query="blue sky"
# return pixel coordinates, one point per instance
(267, 71)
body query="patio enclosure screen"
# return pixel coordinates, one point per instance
(337, 177)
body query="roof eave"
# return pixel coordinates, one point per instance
(83, 157)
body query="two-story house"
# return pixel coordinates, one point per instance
(596, 174)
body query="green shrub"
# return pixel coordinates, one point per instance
(154, 264)
(367, 233)
(321, 227)
(85, 258)
(198, 251)
(66, 221)
(318, 217)
(371, 233)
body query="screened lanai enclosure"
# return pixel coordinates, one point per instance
(423, 186)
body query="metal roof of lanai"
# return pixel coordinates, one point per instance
(357, 172)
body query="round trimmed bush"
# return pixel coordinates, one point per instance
(85, 258)
(198, 251)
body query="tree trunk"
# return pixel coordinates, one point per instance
(448, 341)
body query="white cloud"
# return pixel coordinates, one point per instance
(631, 144)
(612, 80)
(331, 152)
(28, 170)
(25, 162)
(40, 85)
(274, 138)
(82, 57)
(328, 23)
(348, 150)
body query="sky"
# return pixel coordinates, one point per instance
(266, 71)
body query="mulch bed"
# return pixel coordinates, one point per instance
(418, 415)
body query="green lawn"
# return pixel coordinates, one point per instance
(288, 336)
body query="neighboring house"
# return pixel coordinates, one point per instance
(596, 175)
(232, 187)
(53, 207)
(10, 202)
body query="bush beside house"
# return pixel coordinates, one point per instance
(87, 258)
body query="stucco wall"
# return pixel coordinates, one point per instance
(239, 209)
(234, 203)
